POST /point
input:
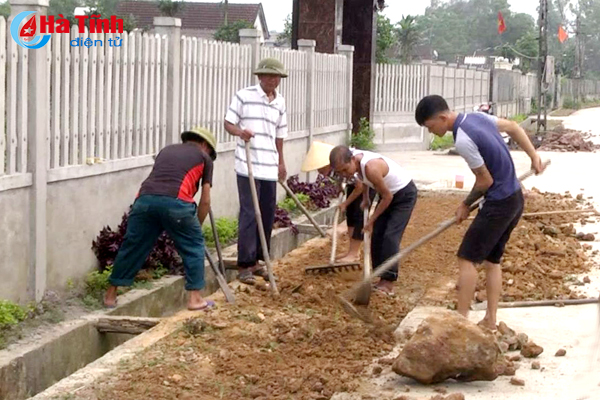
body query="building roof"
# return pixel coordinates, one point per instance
(209, 16)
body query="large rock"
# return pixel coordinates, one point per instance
(447, 345)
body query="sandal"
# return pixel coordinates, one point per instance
(246, 277)
(207, 306)
(383, 291)
(113, 306)
(263, 273)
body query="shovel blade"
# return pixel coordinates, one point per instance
(362, 296)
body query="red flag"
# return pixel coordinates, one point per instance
(501, 24)
(562, 34)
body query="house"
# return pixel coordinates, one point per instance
(198, 19)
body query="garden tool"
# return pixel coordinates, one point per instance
(303, 209)
(361, 293)
(217, 241)
(333, 266)
(261, 230)
(220, 279)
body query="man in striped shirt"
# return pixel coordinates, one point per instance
(257, 114)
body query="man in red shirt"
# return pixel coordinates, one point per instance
(166, 203)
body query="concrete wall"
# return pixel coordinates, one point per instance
(14, 244)
(78, 208)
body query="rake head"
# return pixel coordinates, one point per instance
(333, 268)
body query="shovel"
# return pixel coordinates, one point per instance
(333, 266)
(217, 241)
(261, 229)
(303, 209)
(220, 279)
(361, 293)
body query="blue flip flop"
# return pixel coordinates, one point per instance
(209, 304)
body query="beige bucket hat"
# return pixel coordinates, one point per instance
(317, 157)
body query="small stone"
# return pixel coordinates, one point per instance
(455, 396)
(437, 397)
(406, 388)
(166, 383)
(441, 390)
(517, 381)
(176, 378)
(261, 316)
(504, 347)
(514, 358)
(531, 350)
(535, 365)
(580, 196)
(561, 353)
(587, 280)
(588, 237)
(510, 282)
(522, 339)
(317, 387)
(505, 330)
(555, 274)
(377, 370)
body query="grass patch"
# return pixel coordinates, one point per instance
(442, 143)
(289, 205)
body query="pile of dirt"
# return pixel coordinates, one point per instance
(543, 251)
(562, 140)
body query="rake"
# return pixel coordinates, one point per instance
(334, 267)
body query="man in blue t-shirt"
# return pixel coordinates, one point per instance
(477, 139)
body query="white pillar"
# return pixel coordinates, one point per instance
(172, 28)
(37, 133)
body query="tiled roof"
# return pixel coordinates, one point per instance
(193, 15)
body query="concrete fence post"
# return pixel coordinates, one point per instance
(252, 38)
(171, 27)
(348, 51)
(38, 91)
(308, 46)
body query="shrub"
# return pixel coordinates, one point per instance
(11, 314)
(319, 192)
(107, 244)
(363, 138)
(442, 143)
(227, 229)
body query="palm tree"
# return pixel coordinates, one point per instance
(408, 36)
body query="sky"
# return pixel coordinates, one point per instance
(277, 10)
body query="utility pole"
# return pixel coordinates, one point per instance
(541, 75)
(579, 52)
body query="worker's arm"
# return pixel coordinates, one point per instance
(204, 206)
(358, 190)
(375, 171)
(282, 170)
(483, 181)
(245, 134)
(518, 135)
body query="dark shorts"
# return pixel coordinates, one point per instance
(354, 215)
(487, 236)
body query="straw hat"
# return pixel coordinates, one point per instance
(317, 157)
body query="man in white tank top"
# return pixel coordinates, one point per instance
(318, 159)
(397, 199)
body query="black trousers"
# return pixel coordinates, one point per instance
(354, 215)
(389, 228)
(249, 247)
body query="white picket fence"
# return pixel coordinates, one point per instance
(106, 102)
(13, 104)
(212, 72)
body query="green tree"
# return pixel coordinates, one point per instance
(386, 38)
(408, 36)
(65, 8)
(5, 9)
(285, 38)
(231, 32)
(170, 8)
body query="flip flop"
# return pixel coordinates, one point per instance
(209, 304)
(378, 289)
(113, 306)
